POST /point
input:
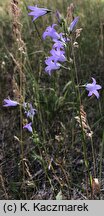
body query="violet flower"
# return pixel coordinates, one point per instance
(29, 110)
(73, 24)
(58, 44)
(28, 127)
(37, 12)
(51, 65)
(63, 38)
(58, 55)
(10, 103)
(92, 88)
(51, 32)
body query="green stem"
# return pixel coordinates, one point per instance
(93, 156)
(79, 105)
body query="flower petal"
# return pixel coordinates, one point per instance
(89, 86)
(94, 81)
(98, 87)
(32, 7)
(73, 24)
(90, 93)
(96, 93)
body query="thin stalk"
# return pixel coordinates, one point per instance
(38, 32)
(101, 157)
(93, 156)
(37, 100)
(79, 104)
(21, 127)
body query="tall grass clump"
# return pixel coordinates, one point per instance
(53, 101)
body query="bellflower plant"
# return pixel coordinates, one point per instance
(63, 38)
(10, 103)
(28, 127)
(60, 102)
(51, 32)
(58, 55)
(29, 110)
(57, 52)
(37, 12)
(93, 88)
(58, 45)
(51, 65)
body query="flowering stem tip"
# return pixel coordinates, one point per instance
(28, 127)
(37, 12)
(93, 88)
(10, 103)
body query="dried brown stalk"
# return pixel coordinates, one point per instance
(82, 120)
(21, 50)
(70, 13)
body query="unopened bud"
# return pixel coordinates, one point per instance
(60, 18)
